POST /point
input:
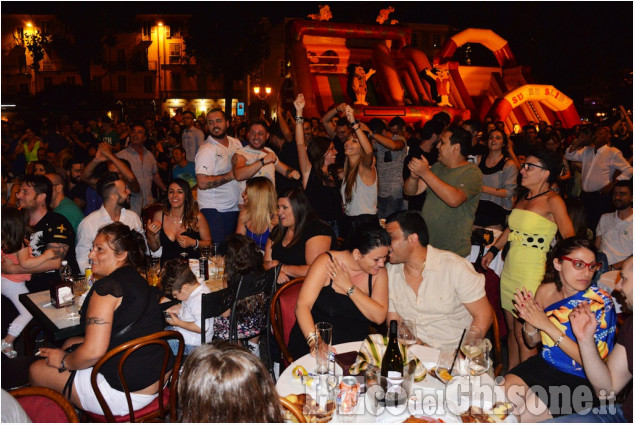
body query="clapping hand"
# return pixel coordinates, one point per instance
(530, 310)
(349, 114)
(299, 104)
(583, 323)
(419, 166)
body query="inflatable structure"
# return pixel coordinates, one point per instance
(323, 56)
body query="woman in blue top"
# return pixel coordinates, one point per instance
(259, 214)
(559, 364)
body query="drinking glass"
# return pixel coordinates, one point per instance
(407, 332)
(470, 346)
(216, 263)
(154, 269)
(79, 286)
(324, 333)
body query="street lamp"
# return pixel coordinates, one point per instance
(263, 105)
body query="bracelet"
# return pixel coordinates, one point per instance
(532, 333)
(494, 251)
(310, 338)
(196, 246)
(350, 291)
(299, 120)
(262, 161)
(559, 339)
(352, 124)
(356, 128)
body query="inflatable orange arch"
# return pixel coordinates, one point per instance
(549, 96)
(487, 38)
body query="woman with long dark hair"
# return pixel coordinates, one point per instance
(531, 227)
(299, 237)
(179, 226)
(320, 183)
(119, 308)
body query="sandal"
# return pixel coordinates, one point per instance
(7, 350)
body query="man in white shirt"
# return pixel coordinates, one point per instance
(614, 234)
(116, 196)
(600, 162)
(218, 190)
(437, 288)
(257, 160)
(191, 137)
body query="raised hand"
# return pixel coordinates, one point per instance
(299, 104)
(583, 323)
(349, 114)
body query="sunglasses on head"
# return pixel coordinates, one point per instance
(580, 265)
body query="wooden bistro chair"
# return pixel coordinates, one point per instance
(282, 312)
(498, 351)
(165, 403)
(293, 409)
(148, 212)
(44, 405)
(216, 303)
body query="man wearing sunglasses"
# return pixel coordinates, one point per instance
(600, 162)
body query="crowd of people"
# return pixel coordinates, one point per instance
(378, 218)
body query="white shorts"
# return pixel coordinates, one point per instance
(116, 399)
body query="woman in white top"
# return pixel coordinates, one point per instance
(359, 179)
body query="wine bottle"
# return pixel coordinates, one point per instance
(392, 367)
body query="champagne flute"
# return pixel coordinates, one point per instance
(324, 331)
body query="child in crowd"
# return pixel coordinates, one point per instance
(186, 317)
(16, 250)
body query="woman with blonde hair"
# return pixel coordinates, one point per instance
(259, 214)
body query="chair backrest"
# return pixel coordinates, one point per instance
(128, 348)
(498, 351)
(148, 212)
(295, 410)
(213, 305)
(44, 405)
(282, 312)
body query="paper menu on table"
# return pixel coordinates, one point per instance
(427, 355)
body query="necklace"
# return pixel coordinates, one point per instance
(529, 198)
(174, 220)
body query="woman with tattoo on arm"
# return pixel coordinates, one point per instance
(119, 299)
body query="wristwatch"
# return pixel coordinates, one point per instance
(262, 161)
(350, 291)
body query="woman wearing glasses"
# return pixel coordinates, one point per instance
(560, 363)
(531, 227)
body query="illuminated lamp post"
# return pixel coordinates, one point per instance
(263, 105)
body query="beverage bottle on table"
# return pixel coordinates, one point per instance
(392, 367)
(66, 273)
(90, 277)
(61, 292)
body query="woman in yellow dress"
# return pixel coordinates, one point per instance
(531, 227)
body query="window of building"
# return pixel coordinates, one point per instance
(70, 80)
(20, 32)
(121, 55)
(24, 88)
(44, 26)
(96, 84)
(48, 81)
(122, 84)
(201, 83)
(148, 84)
(175, 30)
(176, 81)
(436, 40)
(175, 53)
(146, 29)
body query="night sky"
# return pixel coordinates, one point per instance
(583, 48)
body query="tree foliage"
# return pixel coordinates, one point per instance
(226, 50)
(36, 44)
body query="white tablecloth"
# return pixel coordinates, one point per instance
(427, 397)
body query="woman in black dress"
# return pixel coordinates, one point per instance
(299, 237)
(348, 289)
(179, 226)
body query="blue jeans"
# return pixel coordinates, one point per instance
(609, 414)
(174, 345)
(221, 224)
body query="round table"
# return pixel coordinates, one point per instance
(426, 398)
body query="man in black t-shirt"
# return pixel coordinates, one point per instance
(51, 231)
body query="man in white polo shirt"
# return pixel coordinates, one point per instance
(218, 190)
(615, 230)
(437, 288)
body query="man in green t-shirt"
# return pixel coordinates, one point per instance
(61, 204)
(454, 187)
